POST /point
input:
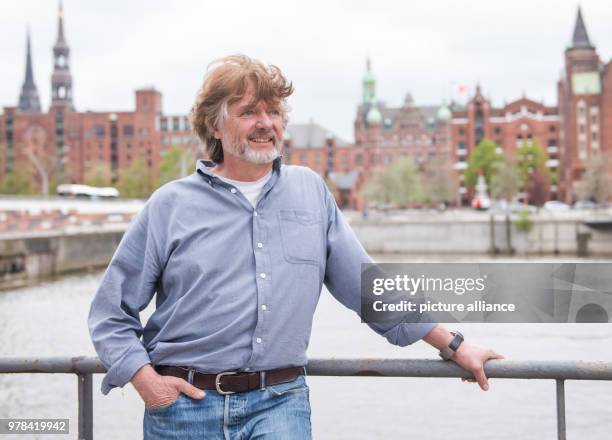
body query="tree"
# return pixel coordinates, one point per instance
(531, 157)
(175, 163)
(439, 184)
(409, 189)
(533, 172)
(595, 183)
(97, 174)
(505, 181)
(18, 182)
(380, 188)
(484, 157)
(538, 187)
(399, 184)
(135, 181)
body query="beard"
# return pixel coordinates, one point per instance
(243, 150)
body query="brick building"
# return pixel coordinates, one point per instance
(510, 126)
(585, 108)
(65, 142)
(571, 132)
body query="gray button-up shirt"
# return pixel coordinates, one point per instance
(236, 286)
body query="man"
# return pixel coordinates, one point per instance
(237, 254)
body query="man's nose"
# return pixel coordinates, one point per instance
(264, 120)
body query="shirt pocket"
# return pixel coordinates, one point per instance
(301, 236)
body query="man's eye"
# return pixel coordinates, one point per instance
(275, 112)
(248, 113)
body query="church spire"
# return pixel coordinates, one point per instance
(369, 84)
(580, 39)
(61, 79)
(28, 98)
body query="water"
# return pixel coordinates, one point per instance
(50, 320)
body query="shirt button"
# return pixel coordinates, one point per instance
(260, 245)
(258, 340)
(255, 213)
(264, 307)
(233, 190)
(263, 275)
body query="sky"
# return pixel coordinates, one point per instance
(425, 48)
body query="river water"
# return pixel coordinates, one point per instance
(49, 319)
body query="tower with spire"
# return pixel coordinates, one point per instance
(580, 94)
(61, 79)
(28, 97)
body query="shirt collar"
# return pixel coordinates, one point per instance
(205, 167)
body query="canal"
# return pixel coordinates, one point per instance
(49, 319)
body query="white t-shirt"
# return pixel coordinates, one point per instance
(251, 190)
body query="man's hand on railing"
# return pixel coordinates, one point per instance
(472, 358)
(468, 356)
(157, 390)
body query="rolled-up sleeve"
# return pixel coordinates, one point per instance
(345, 255)
(126, 288)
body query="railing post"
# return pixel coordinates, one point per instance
(85, 406)
(560, 409)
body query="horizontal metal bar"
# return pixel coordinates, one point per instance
(76, 365)
(505, 369)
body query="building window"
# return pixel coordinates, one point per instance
(497, 130)
(594, 136)
(175, 124)
(581, 129)
(128, 130)
(99, 131)
(461, 132)
(552, 128)
(164, 124)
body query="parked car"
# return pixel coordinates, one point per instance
(584, 204)
(502, 206)
(556, 206)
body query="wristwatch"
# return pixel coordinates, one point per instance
(447, 352)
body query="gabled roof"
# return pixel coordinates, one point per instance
(344, 180)
(311, 135)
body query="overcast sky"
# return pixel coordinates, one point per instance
(426, 48)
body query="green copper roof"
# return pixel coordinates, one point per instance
(586, 83)
(444, 114)
(374, 116)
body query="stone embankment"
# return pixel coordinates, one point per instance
(43, 238)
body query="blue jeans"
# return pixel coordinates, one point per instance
(278, 412)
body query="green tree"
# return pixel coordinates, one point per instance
(19, 182)
(175, 163)
(484, 157)
(97, 174)
(135, 181)
(505, 181)
(531, 157)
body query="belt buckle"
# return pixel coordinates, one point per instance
(218, 383)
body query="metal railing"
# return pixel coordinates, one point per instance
(560, 371)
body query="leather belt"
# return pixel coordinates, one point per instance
(231, 382)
